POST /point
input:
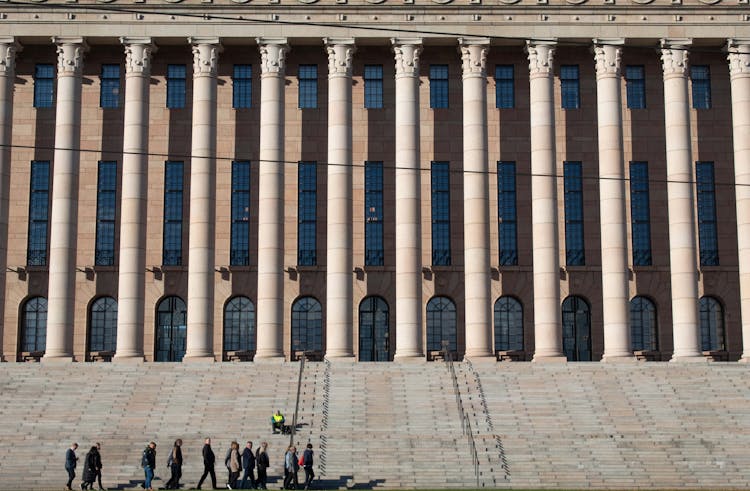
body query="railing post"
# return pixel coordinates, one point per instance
(296, 407)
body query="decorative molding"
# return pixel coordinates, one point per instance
(608, 57)
(138, 53)
(273, 55)
(205, 55)
(474, 56)
(340, 55)
(738, 55)
(541, 56)
(70, 52)
(674, 57)
(9, 47)
(406, 52)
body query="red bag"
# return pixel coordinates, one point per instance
(301, 460)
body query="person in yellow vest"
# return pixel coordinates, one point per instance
(277, 422)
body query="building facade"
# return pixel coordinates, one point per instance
(375, 179)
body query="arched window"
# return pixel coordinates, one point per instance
(441, 324)
(103, 325)
(643, 335)
(576, 319)
(34, 325)
(307, 325)
(171, 330)
(373, 330)
(712, 325)
(508, 324)
(239, 325)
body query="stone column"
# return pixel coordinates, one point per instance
(545, 248)
(131, 290)
(739, 71)
(64, 217)
(615, 293)
(270, 314)
(339, 288)
(476, 200)
(680, 204)
(408, 224)
(200, 304)
(8, 49)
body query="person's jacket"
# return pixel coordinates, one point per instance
(150, 457)
(233, 461)
(175, 458)
(291, 462)
(208, 456)
(262, 460)
(98, 461)
(89, 467)
(307, 457)
(70, 459)
(248, 459)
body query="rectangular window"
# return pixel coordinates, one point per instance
(44, 85)
(307, 215)
(106, 207)
(374, 214)
(573, 177)
(441, 216)
(109, 97)
(176, 86)
(172, 250)
(36, 250)
(640, 214)
(239, 254)
(504, 87)
(569, 85)
(506, 213)
(242, 86)
(700, 76)
(308, 86)
(635, 82)
(438, 86)
(707, 232)
(373, 86)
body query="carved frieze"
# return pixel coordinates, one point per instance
(608, 59)
(541, 57)
(674, 57)
(340, 55)
(407, 54)
(738, 55)
(69, 56)
(272, 55)
(205, 56)
(8, 49)
(138, 55)
(474, 56)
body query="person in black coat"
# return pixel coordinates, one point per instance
(98, 464)
(307, 462)
(89, 469)
(174, 462)
(261, 459)
(70, 464)
(209, 459)
(248, 463)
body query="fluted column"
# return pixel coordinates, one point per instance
(200, 304)
(476, 200)
(739, 72)
(64, 217)
(339, 287)
(132, 265)
(615, 305)
(680, 201)
(270, 315)
(545, 246)
(408, 223)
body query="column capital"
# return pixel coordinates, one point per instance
(205, 55)
(70, 52)
(272, 55)
(608, 57)
(474, 56)
(138, 53)
(407, 51)
(8, 49)
(340, 54)
(674, 57)
(541, 55)
(738, 55)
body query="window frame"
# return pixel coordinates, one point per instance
(439, 78)
(109, 90)
(176, 86)
(373, 214)
(173, 207)
(242, 86)
(570, 87)
(635, 86)
(38, 221)
(106, 214)
(373, 86)
(505, 91)
(307, 77)
(440, 184)
(574, 213)
(307, 213)
(44, 86)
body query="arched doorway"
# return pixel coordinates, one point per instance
(508, 324)
(307, 326)
(712, 325)
(33, 337)
(239, 325)
(103, 325)
(441, 324)
(643, 332)
(576, 318)
(373, 330)
(171, 329)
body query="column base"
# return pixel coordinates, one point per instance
(549, 359)
(61, 360)
(619, 358)
(340, 358)
(744, 359)
(689, 359)
(409, 358)
(129, 359)
(198, 359)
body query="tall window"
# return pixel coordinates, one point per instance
(506, 213)
(242, 86)
(103, 327)
(373, 86)
(643, 324)
(635, 81)
(504, 87)
(176, 87)
(441, 324)
(508, 324)
(438, 86)
(576, 329)
(640, 214)
(171, 329)
(569, 84)
(374, 214)
(239, 255)
(441, 214)
(172, 249)
(373, 330)
(308, 86)
(707, 234)
(700, 76)
(106, 206)
(307, 325)
(109, 98)
(307, 216)
(239, 325)
(712, 325)
(36, 248)
(44, 85)
(574, 249)
(34, 325)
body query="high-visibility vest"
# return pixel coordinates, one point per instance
(278, 418)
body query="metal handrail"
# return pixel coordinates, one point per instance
(296, 407)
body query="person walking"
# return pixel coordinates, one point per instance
(98, 465)
(70, 464)
(234, 465)
(261, 459)
(89, 469)
(209, 460)
(307, 462)
(248, 464)
(291, 466)
(148, 461)
(175, 465)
